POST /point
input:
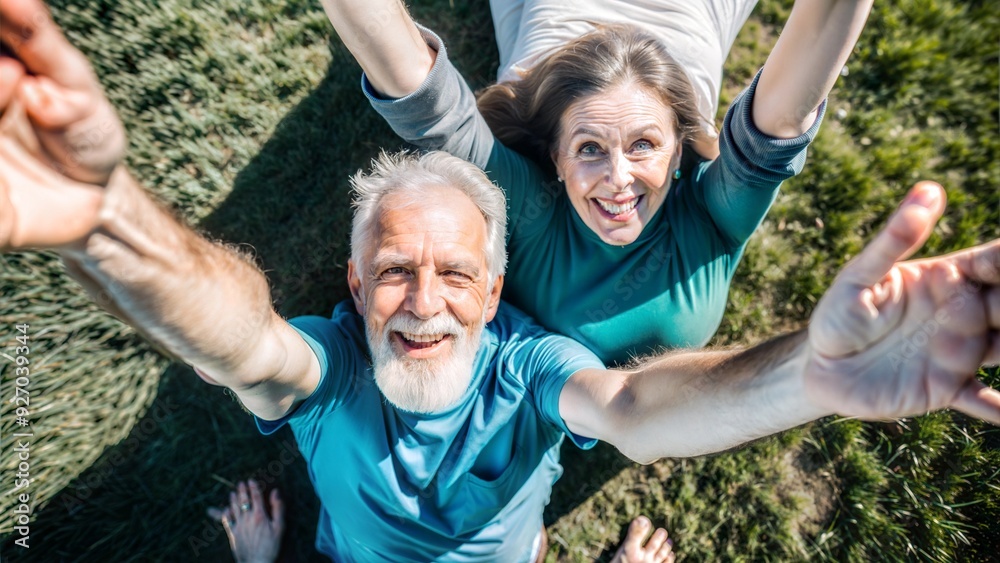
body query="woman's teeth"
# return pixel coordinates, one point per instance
(618, 209)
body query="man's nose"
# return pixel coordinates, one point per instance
(425, 299)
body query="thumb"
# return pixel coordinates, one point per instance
(906, 231)
(50, 105)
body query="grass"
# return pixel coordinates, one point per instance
(246, 117)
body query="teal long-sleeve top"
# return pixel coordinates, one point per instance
(667, 289)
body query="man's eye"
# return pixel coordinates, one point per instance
(394, 271)
(457, 275)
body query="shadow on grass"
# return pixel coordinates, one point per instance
(145, 498)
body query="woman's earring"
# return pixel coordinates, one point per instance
(560, 179)
(677, 174)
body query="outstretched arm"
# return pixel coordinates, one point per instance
(693, 403)
(805, 63)
(385, 41)
(199, 300)
(889, 339)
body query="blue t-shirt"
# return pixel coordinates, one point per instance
(469, 484)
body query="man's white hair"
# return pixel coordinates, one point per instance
(412, 176)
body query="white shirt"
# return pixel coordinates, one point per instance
(697, 33)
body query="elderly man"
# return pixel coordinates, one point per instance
(429, 413)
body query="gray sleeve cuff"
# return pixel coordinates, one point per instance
(432, 83)
(772, 160)
(439, 115)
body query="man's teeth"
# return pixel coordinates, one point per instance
(422, 337)
(618, 209)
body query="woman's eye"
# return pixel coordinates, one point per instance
(589, 149)
(642, 146)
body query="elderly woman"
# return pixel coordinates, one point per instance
(697, 35)
(610, 242)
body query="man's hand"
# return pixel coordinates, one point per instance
(60, 139)
(77, 129)
(892, 339)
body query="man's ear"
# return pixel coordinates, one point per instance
(493, 299)
(357, 292)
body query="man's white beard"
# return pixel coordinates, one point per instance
(424, 386)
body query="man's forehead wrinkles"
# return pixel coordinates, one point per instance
(422, 240)
(440, 251)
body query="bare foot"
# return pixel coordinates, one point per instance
(658, 549)
(254, 536)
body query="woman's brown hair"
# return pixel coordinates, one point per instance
(525, 115)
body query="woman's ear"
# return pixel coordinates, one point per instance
(675, 160)
(554, 155)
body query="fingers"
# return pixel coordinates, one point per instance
(234, 504)
(11, 72)
(215, 513)
(277, 512)
(243, 495)
(993, 307)
(52, 106)
(905, 232)
(993, 352)
(30, 33)
(227, 524)
(979, 264)
(959, 304)
(979, 401)
(256, 499)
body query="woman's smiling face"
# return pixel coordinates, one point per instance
(616, 152)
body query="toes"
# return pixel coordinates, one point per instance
(631, 549)
(656, 541)
(665, 552)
